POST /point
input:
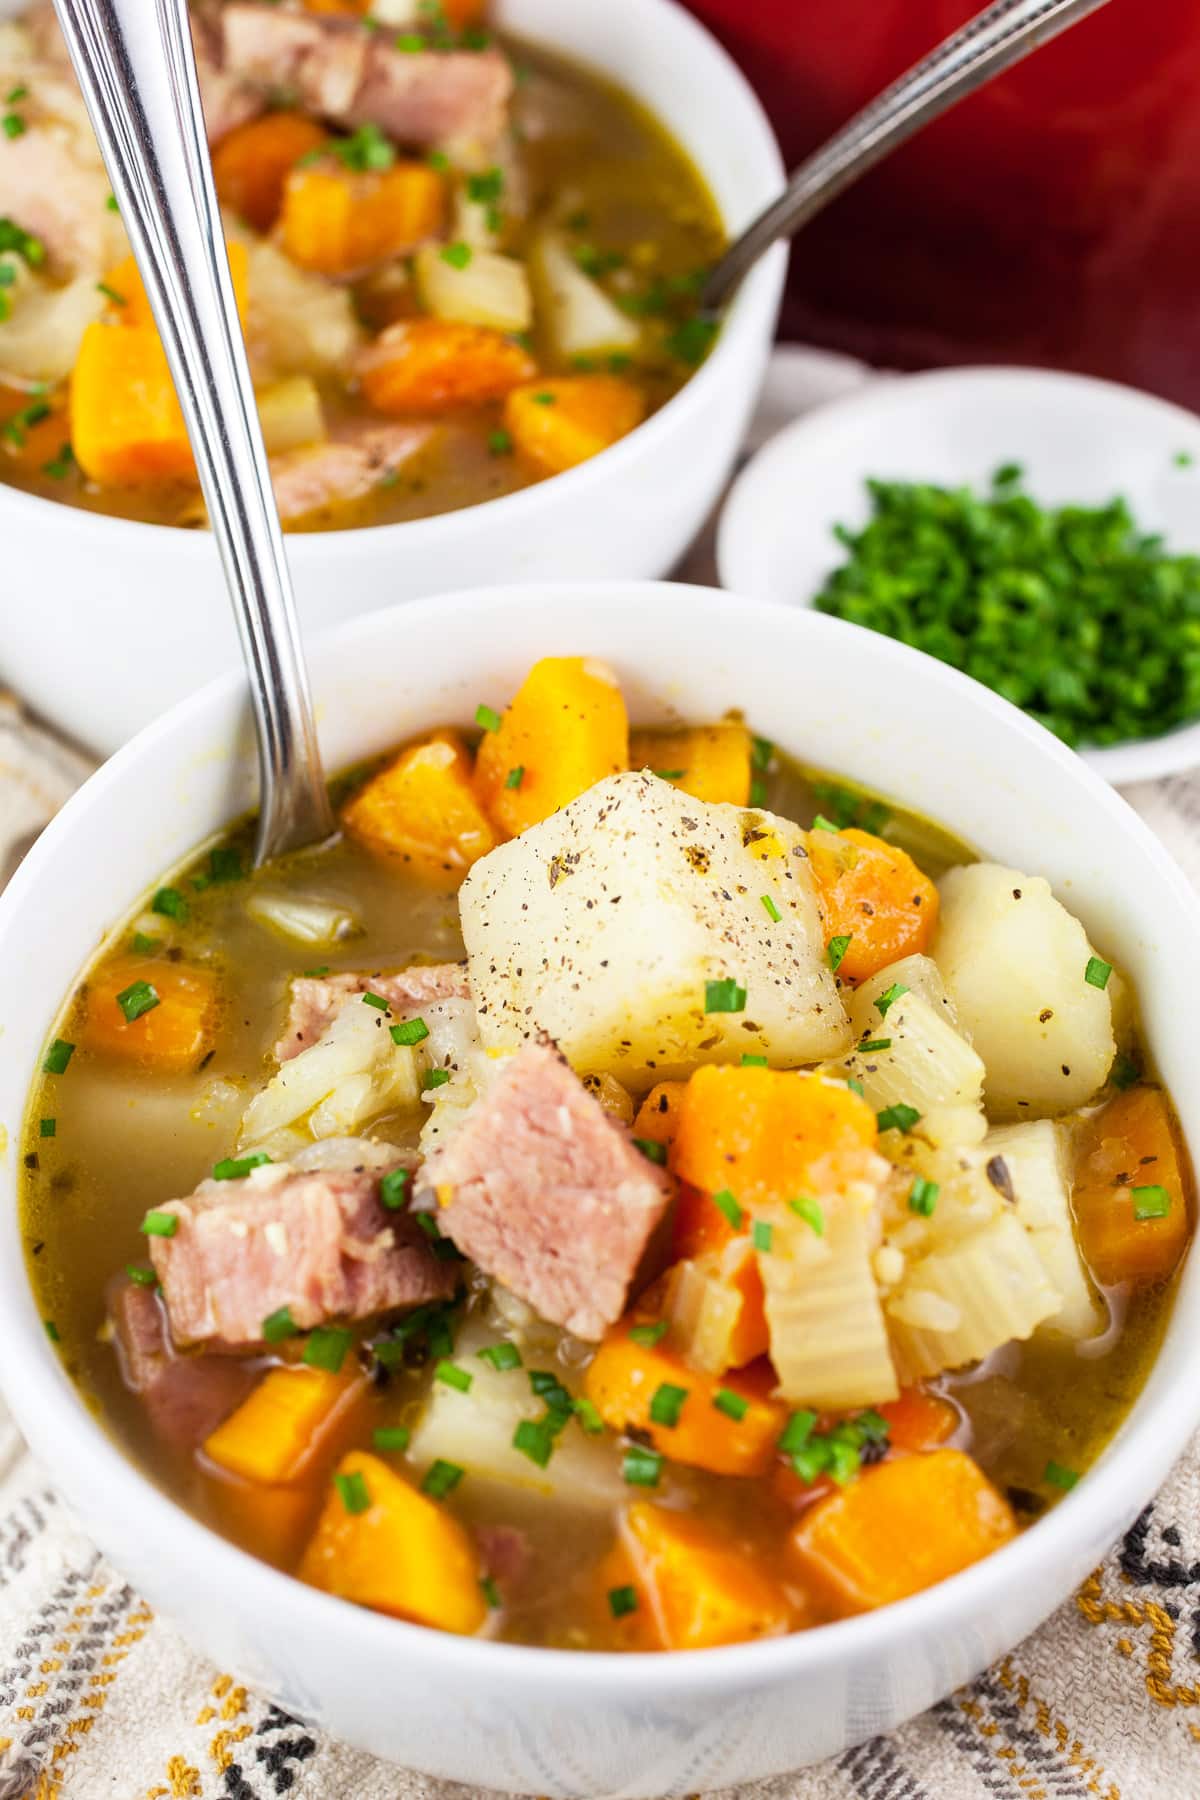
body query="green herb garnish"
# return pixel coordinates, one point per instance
(353, 1491)
(160, 1224)
(326, 1347)
(666, 1403)
(724, 996)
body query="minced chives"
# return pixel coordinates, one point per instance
(669, 774)
(872, 1044)
(797, 1432)
(279, 1325)
(452, 1376)
(729, 1208)
(515, 777)
(810, 1211)
(52, 1331)
(441, 1478)
(160, 1224)
(143, 945)
(1097, 972)
(889, 998)
(491, 1592)
(754, 1062)
(922, 1196)
(353, 1491)
(1060, 1477)
(112, 294)
(500, 1356)
(1150, 1202)
(622, 1600)
(535, 1439)
(652, 1149)
(57, 1057)
(488, 717)
(170, 903)
(897, 1118)
(821, 823)
(377, 1001)
(435, 1078)
(758, 791)
(232, 1168)
(836, 949)
(761, 752)
(734, 1406)
(649, 1335)
(588, 1414)
(1124, 1073)
(47, 1128)
(641, 1467)
(326, 1347)
(666, 1403)
(393, 1189)
(409, 1031)
(225, 864)
(761, 1234)
(772, 911)
(457, 255)
(499, 443)
(138, 998)
(724, 996)
(549, 1388)
(391, 1437)
(855, 1086)
(141, 1274)
(316, 974)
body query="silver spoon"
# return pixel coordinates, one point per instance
(986, 45)
(134, 62)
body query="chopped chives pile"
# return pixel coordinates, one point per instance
(1073, 613)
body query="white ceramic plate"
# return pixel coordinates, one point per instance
(1078, 439)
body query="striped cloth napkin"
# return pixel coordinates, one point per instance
(101, 1700)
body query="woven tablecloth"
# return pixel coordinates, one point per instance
(101, 1700)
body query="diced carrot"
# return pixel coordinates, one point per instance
(710, 762)
(624, 1376)
(717, 1308)
(382, 1544)
(338, 221)
(271, 1522)
(1131, 1196)
(769, 1134)
(874, 894)
(659, 1112)
(558, 423)
(129, 303)
(126, 424)
(253, 161)
(178, 1024)
(421, 808)
(275, 1430)
(432, 365)
(461, 13)
(698, 1227)
(919, 1420)
(565, 730)
(339, 9)
(899, 1528)
(698, 1587)
(33, 428)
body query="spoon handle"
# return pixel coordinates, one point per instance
(985, 46)
(134, 62)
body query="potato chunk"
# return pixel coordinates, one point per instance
(632, 927)
(1015, 963)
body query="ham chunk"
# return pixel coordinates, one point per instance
(186, 1397)
(352, 76)
(542, 1190)
(318, 1242)
(348, 468)
(317, 999)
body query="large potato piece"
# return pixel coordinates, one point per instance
(604, 924)
(1013, 960)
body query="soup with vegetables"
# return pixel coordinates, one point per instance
(627, 1191)
(462, 263)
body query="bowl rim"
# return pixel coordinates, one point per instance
(1145, 1444)
(744, 515)
(754, 299)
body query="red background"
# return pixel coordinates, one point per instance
(1053, 217)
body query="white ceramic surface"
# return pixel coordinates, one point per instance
(567, 1725)
(111, 622)
(1078, 439)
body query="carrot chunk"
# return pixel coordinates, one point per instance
(161, 1014)
(625, 1376)
(710, 762)
(275, 1430)
(557, 424)
(919, 1420)
(337, 221)
(422, 809)
(565, 730)
(431, 365)
(129, 303)
(126, 425)
(697, 1587)
(382, 1544)
(1130, 1197)
(875, 895)
(252, 162)
(271, 1522)
(769, 1134)
(899, 1528)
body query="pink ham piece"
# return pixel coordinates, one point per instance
(352, 76)
(186, 1397)
(545, 1192)
(345, 468)
(316, 1000)
(319, 1243)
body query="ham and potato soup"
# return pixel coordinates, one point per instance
(462, 264)
(625, 1192)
